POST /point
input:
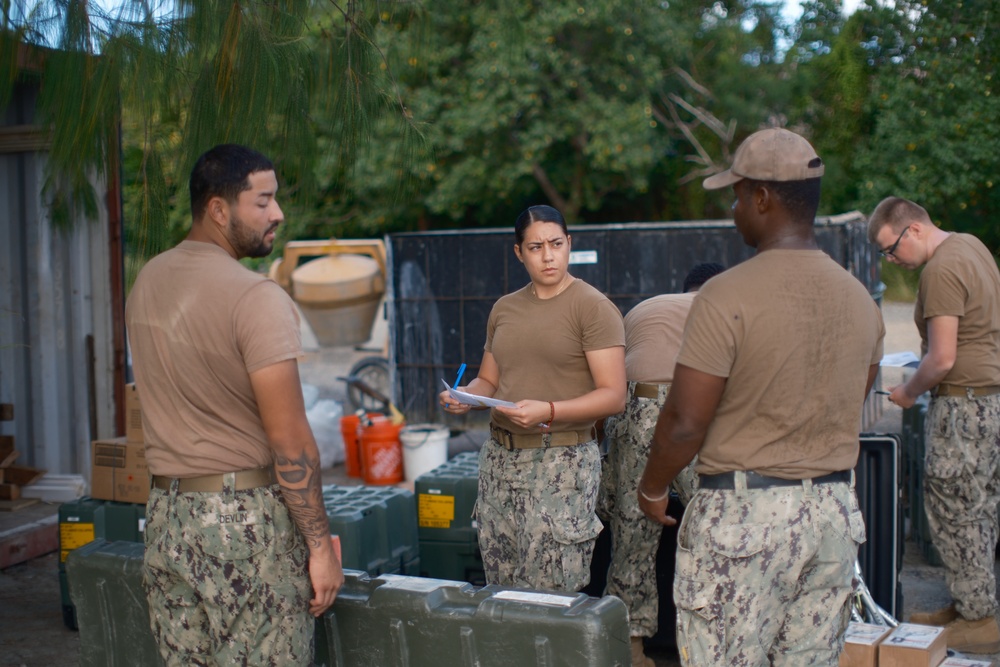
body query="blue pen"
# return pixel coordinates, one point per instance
(461, 371)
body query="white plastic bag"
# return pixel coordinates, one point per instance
(324, 419)
(309, 395)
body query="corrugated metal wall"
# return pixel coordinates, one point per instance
(57, 349)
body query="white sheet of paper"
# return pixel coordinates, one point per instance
(901, 359)
(538, 598)
(476, 401)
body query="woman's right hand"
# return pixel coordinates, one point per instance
(450, 405)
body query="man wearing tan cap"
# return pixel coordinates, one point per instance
(779, 353)
(958, 315)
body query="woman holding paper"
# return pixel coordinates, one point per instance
(555, 349)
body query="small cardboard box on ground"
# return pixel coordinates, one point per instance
(861, 644)
(119, 471)
(965, 662)
(133, 414)
(912, 645)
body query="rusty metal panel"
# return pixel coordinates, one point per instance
(443, 284)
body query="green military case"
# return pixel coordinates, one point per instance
(395, 620)
(361, 547)
(377, 527)
(105, 584)
(452, 561)
(397, 512)
(449, 540)
(82, 521)
(389, 620)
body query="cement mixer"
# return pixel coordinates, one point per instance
(338, 285)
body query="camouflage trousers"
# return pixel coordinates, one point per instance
(961, 492)
(225, 576)
(634, 538)
(764, 577)
(535, 511)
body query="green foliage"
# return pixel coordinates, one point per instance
(900, 284)
(564, 103)
(938, 118)
(386, 116)
(212, 71)
(832, 85)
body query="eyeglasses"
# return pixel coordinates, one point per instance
(891, 250)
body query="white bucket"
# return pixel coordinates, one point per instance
(425, 447)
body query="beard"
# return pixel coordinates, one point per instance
(246, 241)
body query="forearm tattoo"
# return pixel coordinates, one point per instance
(302, 487)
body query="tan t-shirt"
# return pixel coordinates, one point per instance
(795, 334)
(961, 279)
(653, 330)
(540, 346)
(199, 323)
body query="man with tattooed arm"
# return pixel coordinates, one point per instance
(238, 553)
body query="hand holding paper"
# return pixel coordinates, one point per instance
(476, 401)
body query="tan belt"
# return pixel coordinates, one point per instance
(511, 441)
(245, 479)
(648, 389)
(944, 389)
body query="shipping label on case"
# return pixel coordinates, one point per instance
(435, 511)
(73, 536)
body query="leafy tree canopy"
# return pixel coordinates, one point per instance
(937, 117)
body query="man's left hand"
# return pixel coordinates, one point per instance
(656, 509)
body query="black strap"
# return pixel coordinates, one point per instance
(727, 480)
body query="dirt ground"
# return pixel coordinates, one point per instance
(32, 633)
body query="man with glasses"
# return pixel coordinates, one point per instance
(958, 315)
(890, 252)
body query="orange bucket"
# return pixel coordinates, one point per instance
(381, 452)
(350, 429)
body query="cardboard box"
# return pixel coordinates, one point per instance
(133, 414)
(912, 645)
(965, 662)
(861, 644)
(119, 471)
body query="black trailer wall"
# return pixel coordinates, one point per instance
(444, 283)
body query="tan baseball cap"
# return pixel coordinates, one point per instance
(773, 154)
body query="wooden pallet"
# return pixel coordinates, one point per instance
(19, 504)
(13, 477)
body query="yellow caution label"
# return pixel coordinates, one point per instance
(73, 536)
(435, 511)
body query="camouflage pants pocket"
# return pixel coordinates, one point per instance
(228, 530)
(701, 633)
(574, 539)
(226, 580)
(841, 507)
(616, 425)
(719, 621)
(946, 485)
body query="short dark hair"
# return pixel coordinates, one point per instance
(800, 198)
(700, 274)
(223, 171)
(895, 213)
(539, 213)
